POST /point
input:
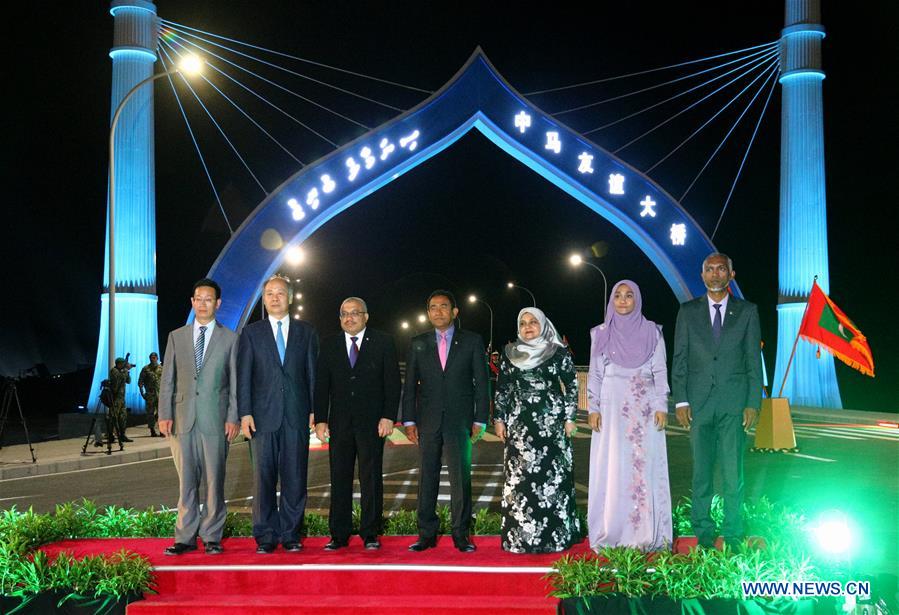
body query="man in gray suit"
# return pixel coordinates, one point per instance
(198, 412)
(716, 384)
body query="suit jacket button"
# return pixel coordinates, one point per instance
(352, 377)
(352, 393)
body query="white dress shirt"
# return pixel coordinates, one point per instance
(349, 342)
(285, 326)
(722, 303)
(210, 327)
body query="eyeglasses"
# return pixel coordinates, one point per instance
(353, 314)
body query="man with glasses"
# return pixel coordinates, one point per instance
(445, 406)
(357, 396)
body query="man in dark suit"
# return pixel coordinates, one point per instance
(717, 384)
(445, 408)
(357, 397)
(275, 376)
(198, 413)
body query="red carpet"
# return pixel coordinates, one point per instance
(391, 580)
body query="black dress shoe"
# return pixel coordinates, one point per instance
(293, 547)
(265, 547)
(178, 548)
(372, 543)
(335, 544)
(423, 544)
(214, 548)
(126, 439)
(464, 545)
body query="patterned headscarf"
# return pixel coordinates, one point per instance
(529, 354)
(627, 340)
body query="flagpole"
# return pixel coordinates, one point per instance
(795, 343)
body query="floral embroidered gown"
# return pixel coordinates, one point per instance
(538, 503)
(629, 500)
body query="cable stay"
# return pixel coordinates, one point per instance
(240, 109)
(217, 125)
(265, 100)
(770, 71)
(197, 146)
(684, 110)
(753, 63)
(651, 70)
(287, 70)
(727, 136)
(743, 162)
(659, 85)
(188, 29)
(270, 82)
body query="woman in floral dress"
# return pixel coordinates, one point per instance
(629, 500)
(535, 408)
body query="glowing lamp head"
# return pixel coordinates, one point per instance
(575, 259)
(510, 285)
(295, 255)
(191, 65)
(404, 325)
(833, 534)
(472, 298)
(422, 318)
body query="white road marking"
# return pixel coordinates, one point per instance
(812, 457)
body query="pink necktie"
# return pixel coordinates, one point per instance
(441, 350)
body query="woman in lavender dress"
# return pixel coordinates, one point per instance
(629, 501)
(536, 405)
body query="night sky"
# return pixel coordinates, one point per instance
(471, 218)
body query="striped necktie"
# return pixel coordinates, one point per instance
(198, 348)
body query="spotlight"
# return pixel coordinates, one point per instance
(833, 533)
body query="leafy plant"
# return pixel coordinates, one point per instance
(486, 523)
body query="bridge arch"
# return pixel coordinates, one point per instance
(476, 98)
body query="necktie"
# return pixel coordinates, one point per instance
(279, 341)
(198, 348)
(716, 323)
(354, 351)
(441, 350)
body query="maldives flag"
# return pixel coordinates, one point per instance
(826, 325)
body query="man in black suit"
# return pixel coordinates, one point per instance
(275, 376)
(357, 396)
(445, 408)
(717, 388)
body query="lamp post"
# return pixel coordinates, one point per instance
(511, 285)
(191, 65)
(476, 299)
(576, 260)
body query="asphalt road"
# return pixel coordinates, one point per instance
(848, 469)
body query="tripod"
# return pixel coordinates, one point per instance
(90, 432)
(10, 394)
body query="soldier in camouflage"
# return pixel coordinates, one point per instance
(117, 418)
(148, 383)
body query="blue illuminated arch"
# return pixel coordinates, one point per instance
(477, 97)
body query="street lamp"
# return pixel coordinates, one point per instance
(475, 299)
(576, 260)
(190, 65)
(511, 285)
(404, 325)
(295, 255)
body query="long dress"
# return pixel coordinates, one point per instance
(538, 503)
(629, 499)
